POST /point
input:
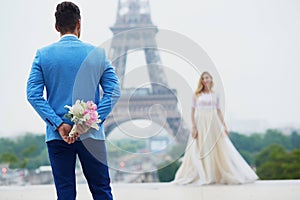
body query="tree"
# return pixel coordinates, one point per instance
(9, 158)
(271, 153)
(23, 151)
(274, 162)
(292, 165)
(295, 140)
(256, 142)
(273, 136)
(241, 142)
(167, 173)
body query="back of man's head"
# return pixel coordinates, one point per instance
(67, 15)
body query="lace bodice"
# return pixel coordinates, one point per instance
(206, 100)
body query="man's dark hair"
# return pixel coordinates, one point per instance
(67, 14)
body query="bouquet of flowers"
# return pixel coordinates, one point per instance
(84, 114)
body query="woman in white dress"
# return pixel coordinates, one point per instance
(210, 157)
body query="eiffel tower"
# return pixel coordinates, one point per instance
(133, 30)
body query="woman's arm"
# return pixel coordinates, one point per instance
(194, 127)
(222, 120)
(193, 117)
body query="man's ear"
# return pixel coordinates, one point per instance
(56, 27)
(78, 25)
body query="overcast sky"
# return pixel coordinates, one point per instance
(254, 45)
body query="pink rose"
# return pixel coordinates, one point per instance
(91, 106)
(94, 107)
(94, 116)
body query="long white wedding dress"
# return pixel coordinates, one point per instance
(212, 158)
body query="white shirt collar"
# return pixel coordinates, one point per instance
(65, 35)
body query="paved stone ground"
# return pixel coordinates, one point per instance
(261, 190)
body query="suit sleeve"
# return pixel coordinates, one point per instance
(35, 89)
(111, 90)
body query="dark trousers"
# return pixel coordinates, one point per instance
(92, 156)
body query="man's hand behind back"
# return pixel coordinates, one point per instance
(64, 130)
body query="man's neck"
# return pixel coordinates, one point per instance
(68, 33)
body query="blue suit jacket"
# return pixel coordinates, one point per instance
(69, 70)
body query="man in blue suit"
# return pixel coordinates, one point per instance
(69, 70)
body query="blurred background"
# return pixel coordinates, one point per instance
(253, 44)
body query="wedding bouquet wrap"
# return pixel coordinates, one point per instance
(84, 114)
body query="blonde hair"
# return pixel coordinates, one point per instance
(200, 87)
